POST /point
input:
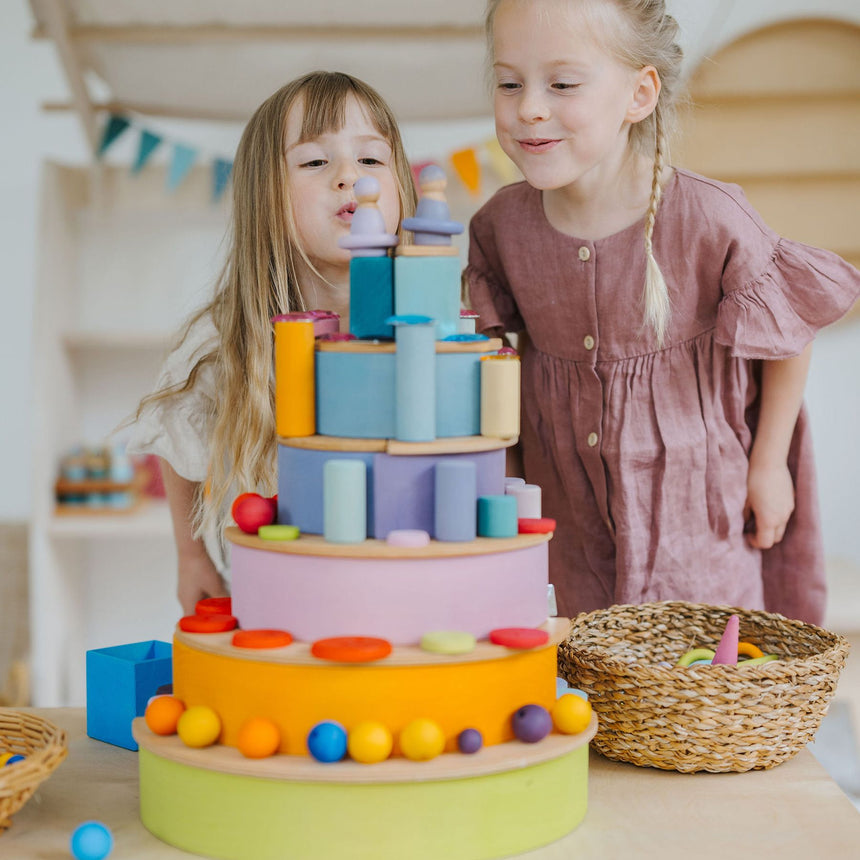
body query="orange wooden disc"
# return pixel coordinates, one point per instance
(214, 606)
(261, 638)
(208, 623)
(351, 649)
(519, 637)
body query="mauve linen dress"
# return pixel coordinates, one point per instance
(642, 452)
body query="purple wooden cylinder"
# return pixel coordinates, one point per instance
(456, 496)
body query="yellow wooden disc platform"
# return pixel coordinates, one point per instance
(373, 548)
(444, 445)
(380, 346)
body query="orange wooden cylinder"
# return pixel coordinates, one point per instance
(457, 695)
(295, 411)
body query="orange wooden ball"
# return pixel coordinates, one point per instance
(163, 713)
(258, 738)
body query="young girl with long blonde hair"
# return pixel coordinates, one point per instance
(666, 329)
(211, 419)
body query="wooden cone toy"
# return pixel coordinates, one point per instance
(727, 650)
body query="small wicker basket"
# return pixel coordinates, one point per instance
(44, 747)
(713, 718)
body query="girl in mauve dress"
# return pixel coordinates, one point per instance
(665, 330)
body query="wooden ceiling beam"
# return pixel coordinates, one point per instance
(166, 111)
(208, 33)
(57, 25)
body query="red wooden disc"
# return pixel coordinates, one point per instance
(519, 637)
(261, 638)
(208, 623)
(214, 606)
(351, 649)
(541, 526)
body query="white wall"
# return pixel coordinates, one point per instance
(30, 75)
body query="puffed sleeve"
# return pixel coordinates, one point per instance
(488, 292)
(778, 293)
(177, 428)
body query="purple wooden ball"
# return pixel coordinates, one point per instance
(531, 723)
(470, 741)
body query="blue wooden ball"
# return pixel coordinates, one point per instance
(327, 741)
(91, 841)
(531, 723)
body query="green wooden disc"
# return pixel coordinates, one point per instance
(278, 532)
(448, 642)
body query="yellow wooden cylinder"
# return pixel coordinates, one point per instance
(295, 413)
(500, 396)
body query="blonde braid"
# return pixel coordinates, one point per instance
(656, 293)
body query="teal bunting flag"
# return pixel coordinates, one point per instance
(148, 144)
(114, 127)
(182, 161)
(221, 169)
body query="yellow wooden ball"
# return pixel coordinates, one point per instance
(258, 738)
(199, 726)
(422, 739)
(369, 742)
(571, 714)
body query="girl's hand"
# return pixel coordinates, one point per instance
(198, 578)
(769, 505)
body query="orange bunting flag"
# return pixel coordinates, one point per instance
(466, 164)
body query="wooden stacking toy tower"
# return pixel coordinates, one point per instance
(396, 656)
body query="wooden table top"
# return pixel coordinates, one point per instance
(794, 810)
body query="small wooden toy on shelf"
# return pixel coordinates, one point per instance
(100, 480)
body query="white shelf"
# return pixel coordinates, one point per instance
(97, 340)
(151, 519)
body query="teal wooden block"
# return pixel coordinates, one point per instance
(497, 516)
(429, 286)
(120, 681)
(458, 394)
(355, 394)
(371, 296)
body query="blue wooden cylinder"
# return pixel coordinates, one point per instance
(456, 493)
(497, 516)
(344, 501)
(415, 378)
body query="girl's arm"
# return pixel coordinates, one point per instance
(770, 491)
(198, 576)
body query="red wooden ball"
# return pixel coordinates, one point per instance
(250, 511)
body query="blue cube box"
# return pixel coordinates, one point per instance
(120, 681)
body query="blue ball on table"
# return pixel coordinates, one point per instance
(91, 840)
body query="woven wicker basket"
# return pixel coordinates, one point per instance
(713, 718)
(44, 747)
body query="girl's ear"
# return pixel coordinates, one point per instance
(645, 94)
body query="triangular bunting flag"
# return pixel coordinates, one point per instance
(180, 164)
(147, 145)
(465, 162)
(501, 164)
(114, 127)
(221, 169)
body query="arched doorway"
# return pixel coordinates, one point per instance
(778, 112)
